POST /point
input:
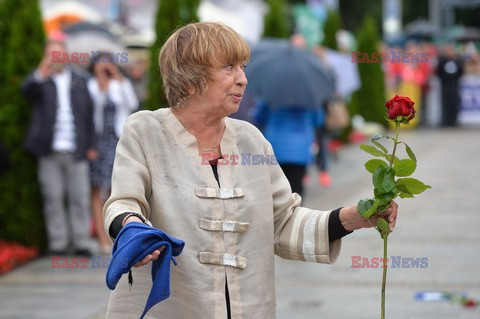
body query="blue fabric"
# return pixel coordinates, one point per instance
(134, 242)
(290, 130)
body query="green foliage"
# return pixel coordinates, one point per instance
(21, 42)
(386, 188)
(367, 207)
(382, 225)
(369, 100)
(276, 20)
(411, 186)
(170, 15)
(354, 12)
(373, 164)
(404, 167)
(330, 28)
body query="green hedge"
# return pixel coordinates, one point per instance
(369, 100)
(21, 41)
(170, 15)
(276, 21)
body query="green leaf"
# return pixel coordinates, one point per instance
(404, 167)
(388, 157)
(373, 164)
(380, 146)
(367, 207)
(411, 186)
(410, 152)
(383, 179)
(385, 198)
(371, 150)
(403, 191)
(405, 195)
(383, 207)
(383, 226)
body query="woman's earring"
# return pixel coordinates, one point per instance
(181, 101)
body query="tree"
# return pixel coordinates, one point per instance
(332, 24)
(354, 12)
(170, 15)
(369, 100)
(21, 39)
(276, 23)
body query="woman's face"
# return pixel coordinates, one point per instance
(225, 89)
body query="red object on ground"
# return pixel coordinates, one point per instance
(324, 179)
(470, 303)
(335, 145)
(357, 137)
(12, 255)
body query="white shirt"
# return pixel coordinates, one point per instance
(64, 128)
(64, 138)
(122, 95)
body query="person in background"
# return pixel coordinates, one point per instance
(137, 73)
(114, 100)
(179, 169)
(61, 136)
(449, 70)
(291, 131)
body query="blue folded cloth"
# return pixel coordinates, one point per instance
(133, 243)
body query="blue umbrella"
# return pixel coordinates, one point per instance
(284, 76)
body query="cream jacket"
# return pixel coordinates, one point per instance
(231, 233)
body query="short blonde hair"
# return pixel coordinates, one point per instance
(191, 53)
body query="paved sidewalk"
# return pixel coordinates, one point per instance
(442, 224)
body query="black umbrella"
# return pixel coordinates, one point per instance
(284, 75)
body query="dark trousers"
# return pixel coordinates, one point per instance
(295, 174)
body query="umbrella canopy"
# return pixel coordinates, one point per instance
(421, 29)
(284, 75)
(464, 34)
(88, 37)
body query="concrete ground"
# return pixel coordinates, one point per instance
(442, 225)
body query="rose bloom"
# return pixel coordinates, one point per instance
(400, 106)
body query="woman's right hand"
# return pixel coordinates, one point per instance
(150, 257)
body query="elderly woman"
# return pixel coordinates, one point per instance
(212, 181)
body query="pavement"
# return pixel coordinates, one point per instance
(441, 225)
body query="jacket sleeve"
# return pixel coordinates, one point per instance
(300, 233)
(131, 180)
(31, 86)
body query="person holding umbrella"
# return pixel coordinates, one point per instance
(232, 213)
(291, 128)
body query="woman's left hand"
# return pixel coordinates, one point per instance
(352, 220)
(150, 257)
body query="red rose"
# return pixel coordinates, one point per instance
(470, 303)
(400, 106)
